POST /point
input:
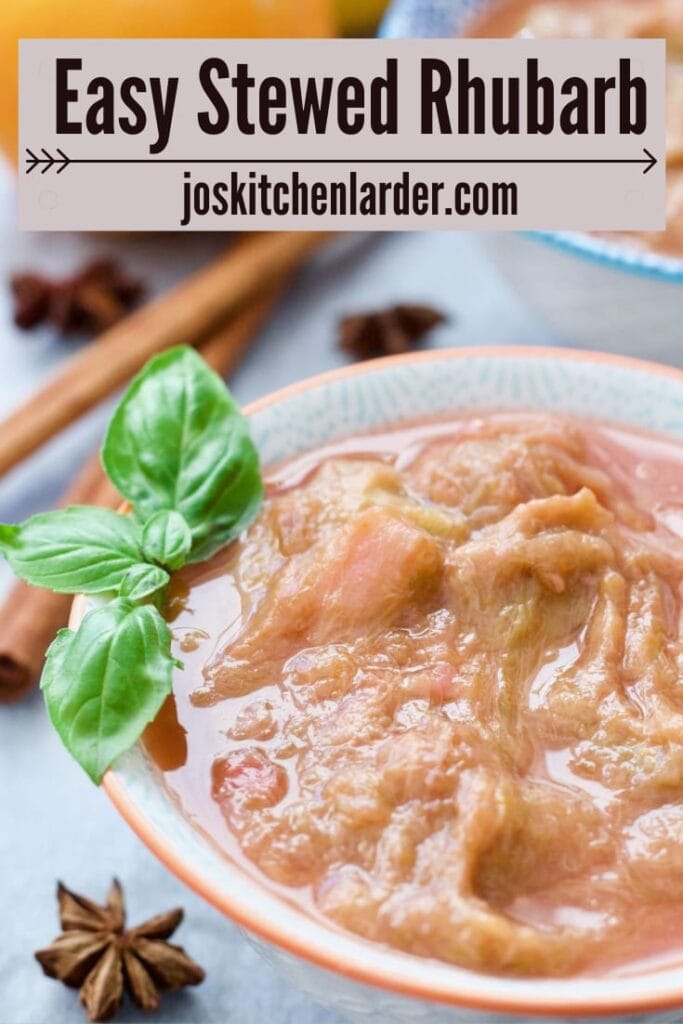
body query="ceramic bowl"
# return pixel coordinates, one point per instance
(363, 981)
(591, 291)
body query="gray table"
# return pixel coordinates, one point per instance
(53, 822)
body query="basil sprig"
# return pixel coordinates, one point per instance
(106, 681)
(75, 550)
(177, 442)
(179, 450)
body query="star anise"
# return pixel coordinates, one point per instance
(387, 332)
(98, 955)
(92, 299)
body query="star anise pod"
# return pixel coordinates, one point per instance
(98, 955)
(92, 299)
(385, 332)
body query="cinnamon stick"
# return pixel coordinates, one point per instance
(29, 617)
(185, 315)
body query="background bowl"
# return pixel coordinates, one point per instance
(365, 981)
(592, 291)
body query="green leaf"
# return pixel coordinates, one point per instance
(73, 550)
(177, 441)
(143, 580)
(9, 537)
(167, 539)
(106, 682)
(53, 677)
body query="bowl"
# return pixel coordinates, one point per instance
(367, 982)
(591, 291)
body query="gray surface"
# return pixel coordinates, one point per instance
(53, 822)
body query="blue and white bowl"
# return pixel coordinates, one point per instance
(592, 291)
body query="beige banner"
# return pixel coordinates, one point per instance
(156, 135)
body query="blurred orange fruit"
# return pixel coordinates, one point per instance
(143, 19)
(359, 17)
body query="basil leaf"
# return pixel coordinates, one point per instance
(177, 441)
(167, 539)
(142, 580)
(73, 550)
(104, 683)
(53, 678)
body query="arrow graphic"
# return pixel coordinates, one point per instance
(48, 162)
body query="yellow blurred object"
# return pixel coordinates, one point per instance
(45, 19)
(359, 17)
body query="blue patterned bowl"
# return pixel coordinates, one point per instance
(594, 300)
(429, 19)
(365, 981)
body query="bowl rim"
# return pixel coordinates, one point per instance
(309, 948)
(405, 19)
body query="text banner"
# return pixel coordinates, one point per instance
(154, 135)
